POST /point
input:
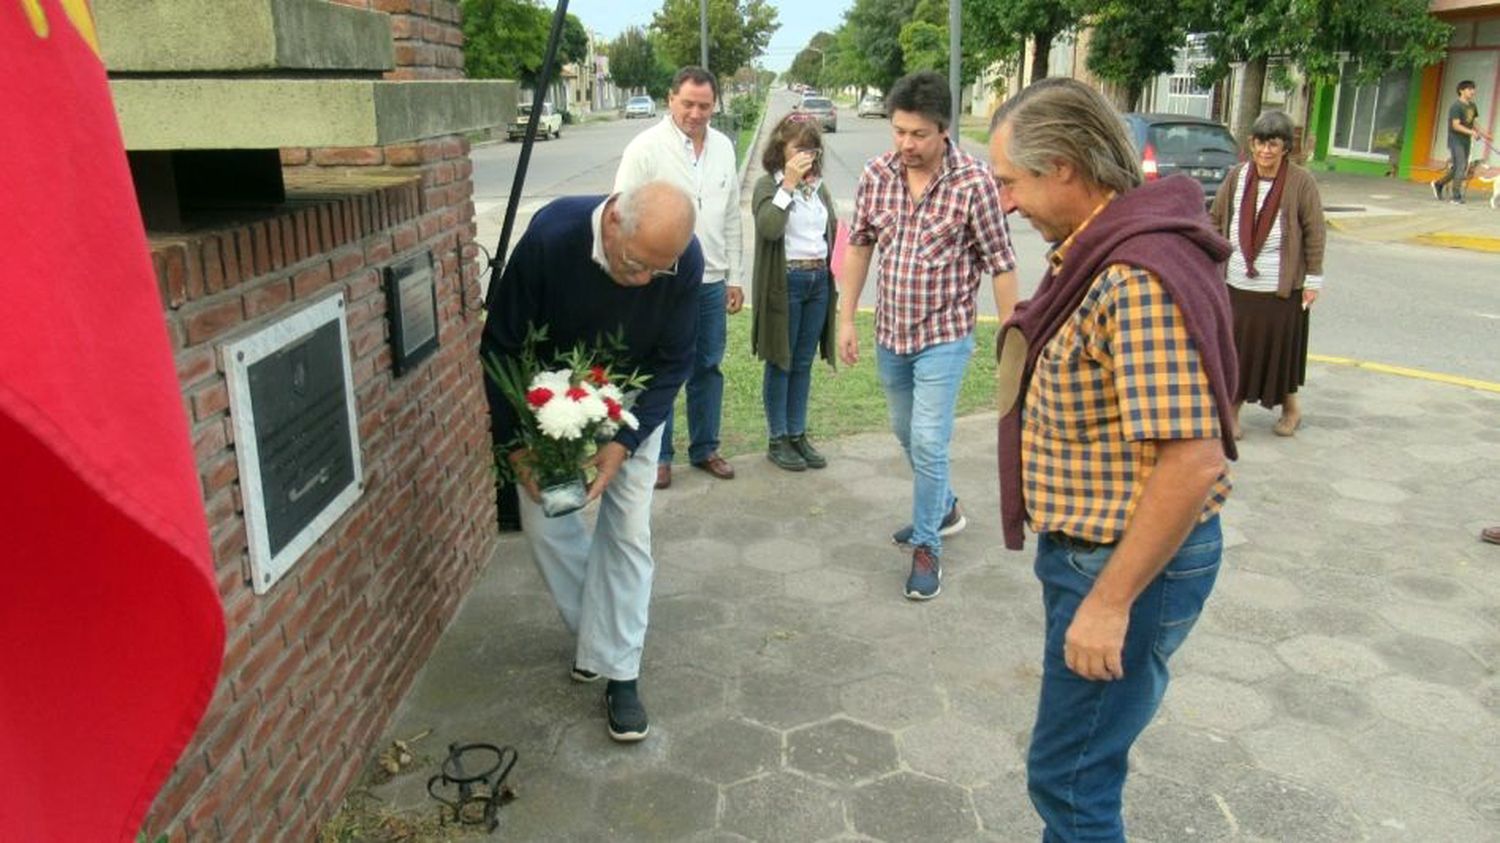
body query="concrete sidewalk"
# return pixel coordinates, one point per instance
(1391, 210)
(1340, 686)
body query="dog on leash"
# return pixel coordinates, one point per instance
(1491, 177)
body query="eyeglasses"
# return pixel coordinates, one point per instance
(635, 267)
(813, 151)
(1273, 144)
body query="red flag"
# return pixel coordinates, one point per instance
(111, 632)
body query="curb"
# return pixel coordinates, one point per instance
(1406, 372)
(1469, 242)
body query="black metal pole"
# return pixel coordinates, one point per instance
(507, 504)
(543, 82)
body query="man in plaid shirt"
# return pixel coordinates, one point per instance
(935, 213)
(1115, 379)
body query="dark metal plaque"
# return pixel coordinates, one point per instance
(296, 434)
(411, 297)
(302, 431)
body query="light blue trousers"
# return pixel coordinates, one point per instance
(600, 575)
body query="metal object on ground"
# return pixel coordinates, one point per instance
(475, 797)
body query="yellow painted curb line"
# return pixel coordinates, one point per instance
(1472, 242)
(1419, 374)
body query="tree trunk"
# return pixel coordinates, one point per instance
(1252, 90)
(1041, 55)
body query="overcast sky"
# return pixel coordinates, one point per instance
(799, 19)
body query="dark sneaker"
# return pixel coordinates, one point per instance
(926, 578)
(581, 675)
(626, 712)
(1437, 191)
(1458, 200)
(809, 454)
(784, 455)
(953, 522)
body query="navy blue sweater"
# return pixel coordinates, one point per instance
(552, 280)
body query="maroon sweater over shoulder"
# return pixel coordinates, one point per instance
(1160, 227)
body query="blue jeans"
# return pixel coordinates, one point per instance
(921, 390)
(705, 386)
(785, 391)
(1075, 770)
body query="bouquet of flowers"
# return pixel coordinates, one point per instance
(564, 410)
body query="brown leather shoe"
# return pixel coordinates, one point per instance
(663, 475)
(716, 466)
(1490, 534)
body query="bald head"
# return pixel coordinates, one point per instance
(648, 227)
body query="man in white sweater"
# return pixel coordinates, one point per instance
(685, 150)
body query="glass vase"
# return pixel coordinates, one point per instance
(564, 494)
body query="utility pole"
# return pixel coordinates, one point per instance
(703, 32)
(955, 58)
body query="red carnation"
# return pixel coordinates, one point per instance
(578, 393)
(597, 376)
(614, 409)
(538, 397)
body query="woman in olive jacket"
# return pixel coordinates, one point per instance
(793, 299)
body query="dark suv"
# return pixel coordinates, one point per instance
(1179, 143)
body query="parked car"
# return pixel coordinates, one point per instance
(549, 124)
(821, 108)
(1179, 143)
(873, 105)
(641, 106)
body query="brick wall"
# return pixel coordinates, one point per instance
(429, 36)
(314, 669)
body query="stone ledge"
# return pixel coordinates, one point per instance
(166, 114)
(198, 36)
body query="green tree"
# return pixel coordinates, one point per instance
(875, 34)
(998, 30)
(634, 64)
(924, 43)
(738, 31)
(504, 39)
(845, 63)
(1133, 42)
(573, 47)
(1316, 36)
(808, 66)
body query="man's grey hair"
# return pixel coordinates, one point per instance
(1272, 125)
(1064, 119)
(653, 198)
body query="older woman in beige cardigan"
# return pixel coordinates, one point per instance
(1269, 209)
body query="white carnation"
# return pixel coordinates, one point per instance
(562, 418)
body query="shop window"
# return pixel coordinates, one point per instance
(1369, 119)
(1487, 33)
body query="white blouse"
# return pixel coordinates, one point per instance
(806, 224)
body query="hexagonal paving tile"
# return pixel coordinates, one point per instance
(1314, 699)
(907, 806)
(783, 700)
(1305, 752)
(1269, 807)
(1432, 660)
(1333, 658)
(1420, 704)
(782, 556)
(957, 751)
(1188, 754)
(824, 585)
(841, 751)
(687, 614)
(890, 701)
(657, 805)
(1372, 491)
(1162, 808)
(1215, 703)
(1205, 652)
(727, 751)
(782, 806)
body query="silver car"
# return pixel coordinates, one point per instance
(822, 109)
(873, 105)
(640, 107)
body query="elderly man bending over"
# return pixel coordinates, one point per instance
(589, 267)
